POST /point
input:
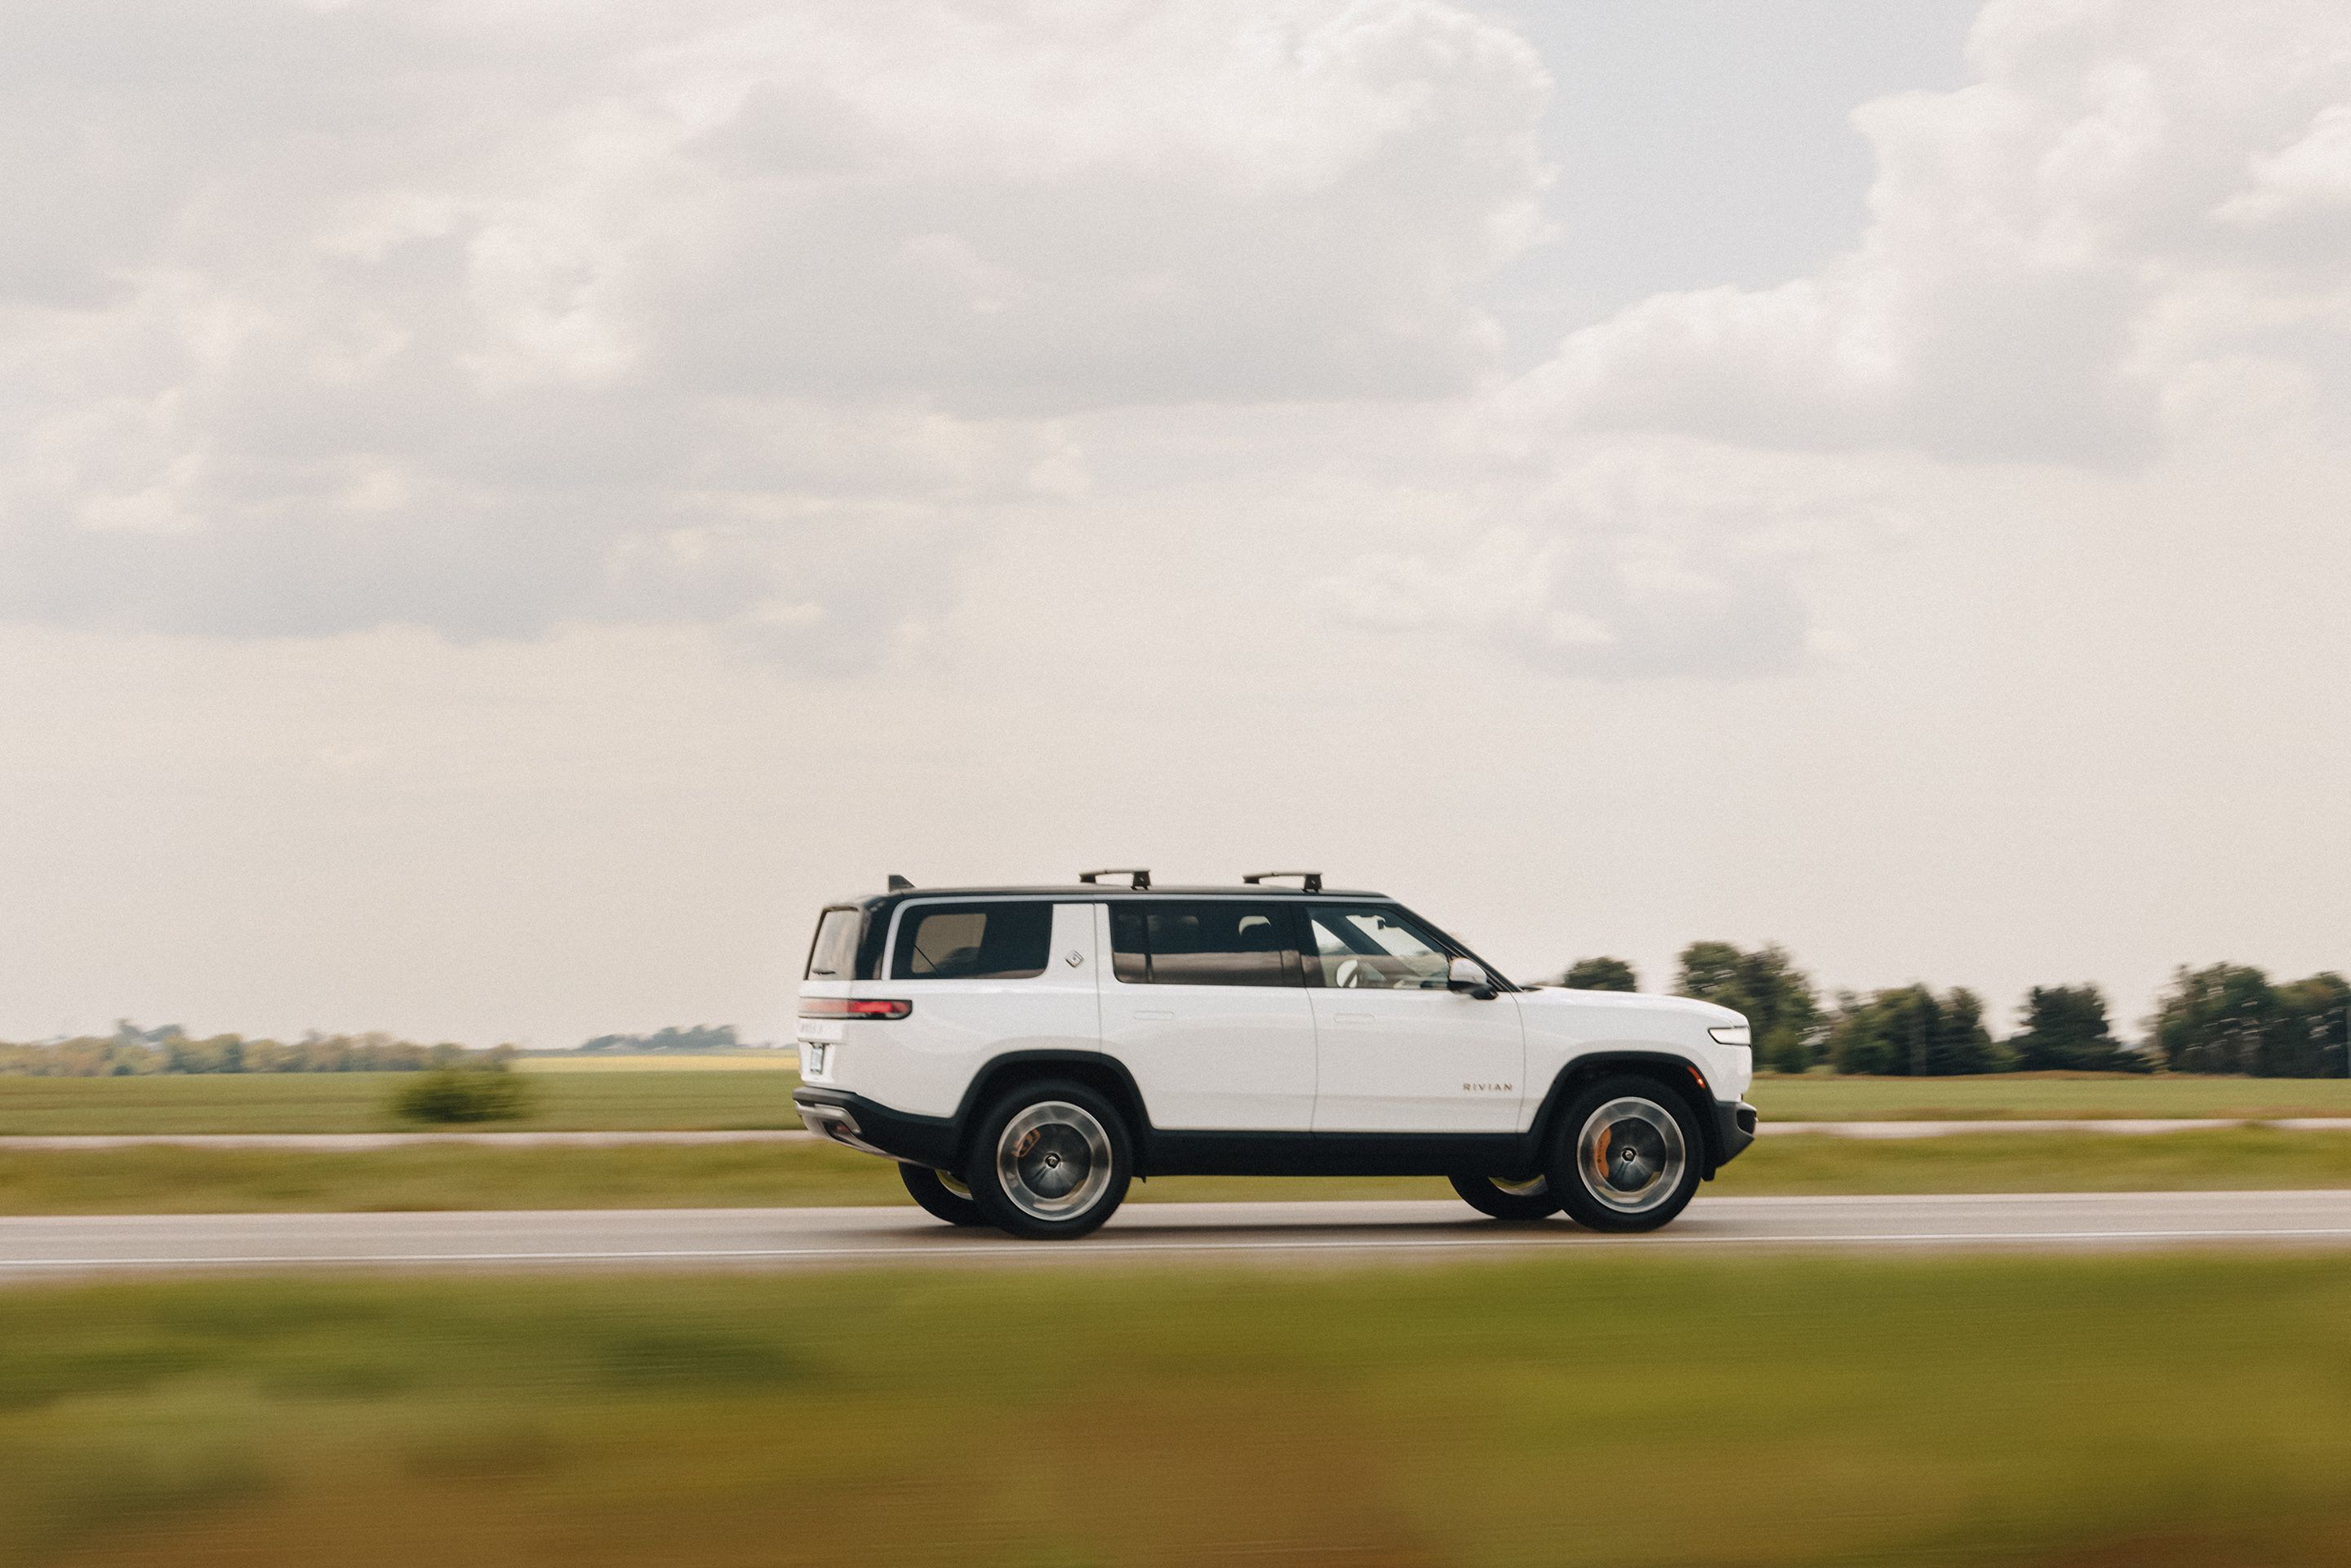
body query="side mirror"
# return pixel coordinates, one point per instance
(1468, 975)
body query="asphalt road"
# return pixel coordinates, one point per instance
(53, 1246)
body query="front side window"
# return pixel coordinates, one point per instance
(833, 955)
(973, 942)
(1375, 949)
(1203, 942)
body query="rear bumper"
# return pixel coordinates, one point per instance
(857, 1123)
(1734, 1129)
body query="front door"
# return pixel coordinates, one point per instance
(1396, 1050)
(1206, 1003)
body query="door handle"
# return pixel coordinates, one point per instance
(1351, 1018)
(1152, 1015)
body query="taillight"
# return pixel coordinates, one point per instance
(853, 1008)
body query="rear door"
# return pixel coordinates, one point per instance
(1399, 1050)
(1206, 1003)
(985, 976)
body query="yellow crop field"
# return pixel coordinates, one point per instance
(666, 1061)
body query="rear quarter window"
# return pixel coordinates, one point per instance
(833, 955)
(972, 942)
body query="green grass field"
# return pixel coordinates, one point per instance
(1826, 1097)
(711, 1093)
(2182, 1412)
(154, 1180)
(669, 1099)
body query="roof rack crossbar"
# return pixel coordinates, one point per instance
(1141, 875)
(1312, 880)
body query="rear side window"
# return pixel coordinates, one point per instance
(972, 942)
(1203, 942)
(833, 955)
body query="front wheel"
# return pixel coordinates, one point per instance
(1529, 1200)
(1626, 1156)
(942, 1196)
(1051, 1162)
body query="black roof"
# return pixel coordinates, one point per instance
(1091, 890)
(877, 907)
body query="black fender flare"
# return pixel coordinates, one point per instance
(1675, 1071)
(1097, 1068)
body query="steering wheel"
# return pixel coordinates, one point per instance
(1350, 974)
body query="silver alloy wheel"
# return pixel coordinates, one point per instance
(1053, 1160)
(1631, 1154)
(1533, 1186)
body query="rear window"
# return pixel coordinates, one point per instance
(972, 942)
(1203, 942)
(833, 955)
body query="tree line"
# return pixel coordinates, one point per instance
(2224, 1018)
(701, 1037)
(133, 1052)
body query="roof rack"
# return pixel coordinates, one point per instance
(1312, 880)
(1141, 876)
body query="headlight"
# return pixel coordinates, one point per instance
(1731, 1034)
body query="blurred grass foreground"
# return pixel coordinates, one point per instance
(2159, 1412)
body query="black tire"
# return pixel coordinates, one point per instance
(1503, 1199)
(941, 1195)
(1643, 1150)
(1049, 1161)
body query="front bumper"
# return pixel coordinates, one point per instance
(857, 1123)
(1734, 1129)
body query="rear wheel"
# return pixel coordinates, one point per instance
(1050, 1161)
(943, 1197)
(1503, 1199)
(1627, 1156)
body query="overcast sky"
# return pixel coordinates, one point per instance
(507, 507)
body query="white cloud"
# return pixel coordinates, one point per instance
(477, 318)
(2125, 238)
(1626, 559)
(2311, 175)
(2053, 249)
(493, 319)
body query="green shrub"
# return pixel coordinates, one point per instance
(464, 1094)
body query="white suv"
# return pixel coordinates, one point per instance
(1023, 1052)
